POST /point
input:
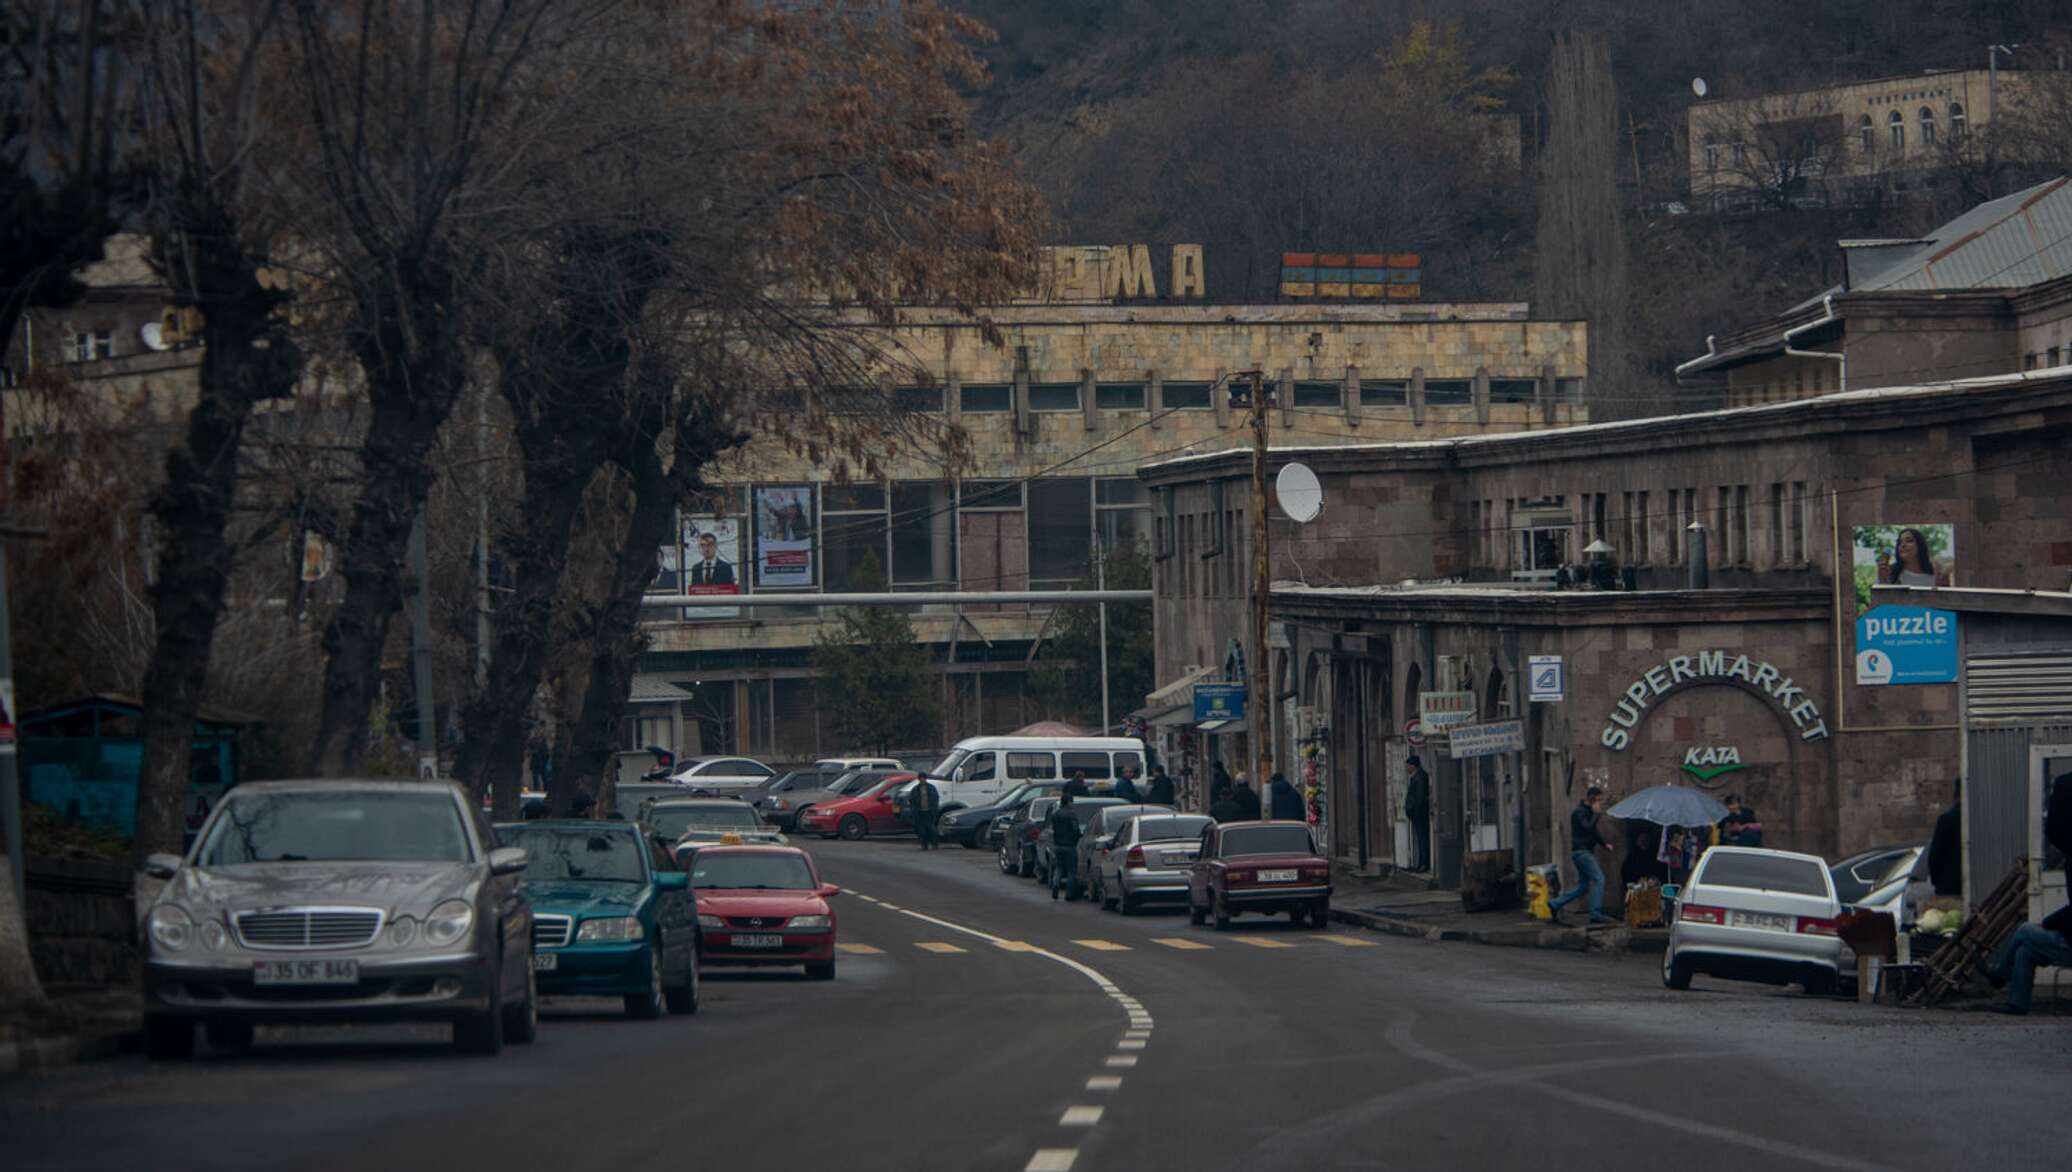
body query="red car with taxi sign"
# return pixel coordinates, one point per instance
(763, 906)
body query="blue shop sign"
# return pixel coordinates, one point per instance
(1906, 645)
(1218, 702)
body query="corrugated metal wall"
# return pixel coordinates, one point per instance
(2013, 701)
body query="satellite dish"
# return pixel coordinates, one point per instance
(1298, 492)
(1698, 86)
(154, 336)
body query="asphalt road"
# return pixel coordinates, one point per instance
(975, 1023)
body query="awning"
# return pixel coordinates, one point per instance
(1179, 691)
(1177, 714)
(652, 688)
(1213, 725)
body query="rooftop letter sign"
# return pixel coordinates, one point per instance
(1711, 667)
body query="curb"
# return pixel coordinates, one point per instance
(1558, 939)
(38, 1053)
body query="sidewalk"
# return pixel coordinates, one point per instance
(1436, 915)
(74, 1025)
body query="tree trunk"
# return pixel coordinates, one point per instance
(493, 752)
(414, 375)
(242, 362)
(19, 987)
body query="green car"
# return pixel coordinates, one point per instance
(606, 919)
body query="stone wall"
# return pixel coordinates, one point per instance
(82, 922)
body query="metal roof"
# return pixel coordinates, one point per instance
(655, 689)
(2007, 243)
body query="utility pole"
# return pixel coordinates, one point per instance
(1101, 583)
(1257, 706)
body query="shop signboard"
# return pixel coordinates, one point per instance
(712, 555)
(784, 527)
(1546, 678)
(1901, 555)
(1486, 739)
(1223, 702)
(1906, 645)
(1440, 709)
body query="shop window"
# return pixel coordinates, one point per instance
(985, 398)
(1449, 392)
(1060, 531)
(1184, 397)
(924, 548)
(1119, 396)
(1513, 390)
(1387, 392)
(1319, 394)
(1053, 396)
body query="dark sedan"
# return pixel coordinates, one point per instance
(974, 826)
(1083, 811)
(1017, 835)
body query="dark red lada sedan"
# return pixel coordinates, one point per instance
(1263, 867)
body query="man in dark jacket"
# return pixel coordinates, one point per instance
(1946, 847)
(1417, 807)
(1247, 800)
(1064, 846)
(1126, 785)
(924, 805)
(1076, 786)
(1584, 841)
(2031, 945)
(1284, 801)
(1161, 788)
(1225, 808)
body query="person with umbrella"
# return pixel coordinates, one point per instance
(1584, 841)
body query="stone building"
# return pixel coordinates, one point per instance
(1435, 567)
(1987, 293)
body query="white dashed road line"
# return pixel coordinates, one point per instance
(1080, 1117)
(1051, 1160)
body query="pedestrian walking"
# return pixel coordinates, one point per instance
(1225, 808)
(924, 805)
(1584, 841)
(1417, 807)
(1126, 786)
(1247, 799)
(1076, 786)
(1161, 788)
(1946, 847)
(1284, 801)
(1219, 779)
(1064, 847)
(2014, 966)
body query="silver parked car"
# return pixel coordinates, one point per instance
(1100, 838)
(1148, 861)
(1752, 914)
(339, 901)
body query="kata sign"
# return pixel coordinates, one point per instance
(1711, 666)
(1709, 761)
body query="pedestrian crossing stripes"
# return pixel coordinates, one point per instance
(938, 946)
(1261, 941)
(860, 949)
(1181, 943)
(1102, 945)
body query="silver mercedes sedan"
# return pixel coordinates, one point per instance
(339, 901)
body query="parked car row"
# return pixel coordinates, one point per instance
(384, 901)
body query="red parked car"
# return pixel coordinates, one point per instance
(763, 905)
(1262, 867)
(871, 812)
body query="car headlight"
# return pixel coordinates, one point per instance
(402, 930)
(213, 937)
(711, 922)
(612, 928)
(449, 922)
(808, 922)
(171, 927)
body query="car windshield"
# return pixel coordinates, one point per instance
(336, 826)
(1041, 808)
(948, 765)
(1267, 840)
(626, 799)
(1764, 873)
(798, 779)
(724, 869)
(861, 783)
(1187, 826)
(556, 853)
(672, 821)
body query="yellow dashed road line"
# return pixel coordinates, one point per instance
(938, 946)
(1348, 941)
(860, 949)
(1102, 945)
(1262, 941)
(1014, 946)
(1181, 943)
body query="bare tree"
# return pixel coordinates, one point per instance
(1581, 267)
(1780, 151)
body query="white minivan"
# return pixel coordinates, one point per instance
(981, 769)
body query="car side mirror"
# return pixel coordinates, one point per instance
(671, 881)
(508, 860)
(827, 891)
(161, 866)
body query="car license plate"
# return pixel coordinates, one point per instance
(1175, 858)
(545, 962)
(1276, 876)
(1759, 920)
(305, 972)
(758, 941)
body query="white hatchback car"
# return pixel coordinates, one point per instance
(1750, 914)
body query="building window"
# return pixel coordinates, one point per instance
(1513, 390)
(1053, 396)
(1184, 396)
(1642, 554)
(853, 536)
(1597, 530)
(1690, 509)
(921, 399)
(1956, 121)
(1778, 555)
(2050, 356)
(985, 398)
(1675, 531)
(1795, 524)
(1568, 390)
(1119, 396)
(924, 526)
(1319, 394)
(1122, 508)
(1927, 127)
(90, 345)
(1866, 135)
(2029, 361)
(1060, 531)
(1896, 128)
(1476, 523)
(1449, 392)
(1384, 393)
(1711, 154)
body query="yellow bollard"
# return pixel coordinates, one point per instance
(1539, 890)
